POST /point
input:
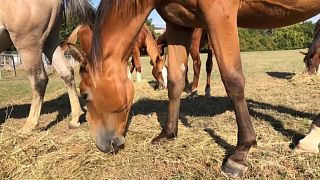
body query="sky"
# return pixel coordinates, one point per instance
(158, 21)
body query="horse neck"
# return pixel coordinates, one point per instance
(117, 36)
(152, 47)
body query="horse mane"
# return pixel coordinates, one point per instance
(119, 10)
(79, 12)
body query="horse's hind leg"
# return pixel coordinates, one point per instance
(37, 75)
(195, 55)
(311, 142)
(55, 54)
(209, 70)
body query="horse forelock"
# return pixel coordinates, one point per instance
(119, 10)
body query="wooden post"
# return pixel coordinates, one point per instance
(14, 67)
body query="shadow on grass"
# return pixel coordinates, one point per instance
(61, 105)
(203, 106)
(281, 75)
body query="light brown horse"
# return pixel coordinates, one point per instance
(312, 57)
(110, 92)
(145, 40)
(33, 27)
(198, 40)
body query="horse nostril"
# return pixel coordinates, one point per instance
(84, 95)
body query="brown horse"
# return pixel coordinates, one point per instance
(110, 92)
(199, 39)
(145, 40)
(312, 57)
(33, 27)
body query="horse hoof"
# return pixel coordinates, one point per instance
(74, 125)
(208, 95)
(303, 148)
(233, 169)
(193, 95)
(163, 138)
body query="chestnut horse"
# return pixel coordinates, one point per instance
(33, 27)
(199, 39)
(145, 40)
(312, 57)
(109, 91)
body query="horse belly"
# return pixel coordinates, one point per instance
(266, 14)
(179, 13)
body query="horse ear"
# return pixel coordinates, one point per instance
(76, 53)
(303, 53)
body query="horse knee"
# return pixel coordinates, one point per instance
(234, 82)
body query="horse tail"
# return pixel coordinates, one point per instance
(79, 11)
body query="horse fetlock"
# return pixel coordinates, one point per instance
(164, 136)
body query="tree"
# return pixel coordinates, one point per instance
(151, 26)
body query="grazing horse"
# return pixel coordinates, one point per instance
(312, 57)
(199, 39)
(145, 40)
(33, 27)
(109, 91)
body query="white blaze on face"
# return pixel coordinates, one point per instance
(164, 72)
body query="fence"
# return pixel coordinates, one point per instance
(9, 61)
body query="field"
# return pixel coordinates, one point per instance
(281, 100)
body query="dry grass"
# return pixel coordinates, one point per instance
(281, 106)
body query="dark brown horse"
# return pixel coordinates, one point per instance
(144, 40)
(198, 40)
(312, 57)
(110, 92)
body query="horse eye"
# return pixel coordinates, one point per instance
(84, 96)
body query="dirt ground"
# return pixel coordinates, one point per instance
(281, 100)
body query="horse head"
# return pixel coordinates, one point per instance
(108, 105)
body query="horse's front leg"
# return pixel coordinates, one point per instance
(137, 63)
(179, 44)
(37, 75)
(221, 20)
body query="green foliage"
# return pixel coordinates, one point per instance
(297, 36)
(65, 31)
(151, 27)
